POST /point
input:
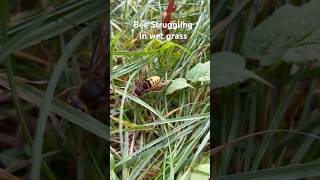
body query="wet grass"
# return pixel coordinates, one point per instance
(158, 135)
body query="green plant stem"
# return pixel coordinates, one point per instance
(46, 102)
(9, 70)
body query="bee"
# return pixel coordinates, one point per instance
(147, 85)
(166, 16)
(93, 91)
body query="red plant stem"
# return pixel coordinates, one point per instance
(166, 16)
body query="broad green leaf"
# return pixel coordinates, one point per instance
(200, 172)
(229, 68)
(200, 72)
(177, 84)
(290, 32)
(303, 54)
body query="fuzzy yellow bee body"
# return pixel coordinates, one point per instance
(149, 83)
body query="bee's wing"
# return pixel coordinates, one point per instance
(159, 86)
(138, 84)
(98, 67)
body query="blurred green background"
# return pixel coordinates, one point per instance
(265, 79)
(46, 49)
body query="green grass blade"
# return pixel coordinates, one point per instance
(51, 29)
(277, 118)
(45, 105)
(198, 117)
(85, 121)
(9, 69)
(280, 173)
(142, 103)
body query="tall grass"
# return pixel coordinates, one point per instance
(159, 135)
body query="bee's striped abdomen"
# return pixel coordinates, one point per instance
(152, 81)
(147, 85)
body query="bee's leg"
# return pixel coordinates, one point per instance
(155, 90)
(133, 93)
(133, 142)
(130, 91)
